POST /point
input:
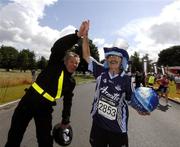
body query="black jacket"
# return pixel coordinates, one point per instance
(48, 78)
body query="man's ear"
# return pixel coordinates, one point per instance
(65, 62)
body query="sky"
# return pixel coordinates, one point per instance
(148, 26)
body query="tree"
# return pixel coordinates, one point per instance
(136, 63)
(32, 60)
(93, 50)
(42, 63)
(8, 57)
(26, 60)
(169, 57)
(1, 56)
(78, 49)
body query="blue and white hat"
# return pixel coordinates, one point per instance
(119, 49)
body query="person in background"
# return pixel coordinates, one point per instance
(163, 88)
(151, 80)
(171, 86)
(51, 84)
(112, 94)
(33, 74)
(177, 81)
(138, 79)
(143, 77)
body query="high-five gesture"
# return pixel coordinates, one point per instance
(83, 30)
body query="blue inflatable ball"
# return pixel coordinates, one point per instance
(144, 99)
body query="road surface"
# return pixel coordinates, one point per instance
(160, 129)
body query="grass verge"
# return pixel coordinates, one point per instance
(10, 93)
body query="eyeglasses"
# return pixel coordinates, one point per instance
(111, 56)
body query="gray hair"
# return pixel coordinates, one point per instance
(70, 54)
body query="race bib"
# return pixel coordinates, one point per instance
(107, 110)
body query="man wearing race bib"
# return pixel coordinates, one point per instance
(112, 94)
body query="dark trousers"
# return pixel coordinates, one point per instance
(32, 105)
(102, 138)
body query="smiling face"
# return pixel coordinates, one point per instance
(114, 62)
(71, 62)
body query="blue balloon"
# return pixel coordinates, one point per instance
(144, 99)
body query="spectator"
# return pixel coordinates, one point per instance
(163, 88)
(138, 79)
(33, 73)
(143, 79)
(151, 80)
(177, 81)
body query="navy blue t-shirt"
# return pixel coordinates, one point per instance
(112, 94)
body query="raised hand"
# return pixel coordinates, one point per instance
(83, 30)
(86, 23)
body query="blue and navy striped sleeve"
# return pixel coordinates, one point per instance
(95, 67)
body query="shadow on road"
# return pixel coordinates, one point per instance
(162, 107)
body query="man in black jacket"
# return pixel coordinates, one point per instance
(52, 83)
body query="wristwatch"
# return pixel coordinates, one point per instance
(76, 31)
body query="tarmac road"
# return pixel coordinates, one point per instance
(160, 129)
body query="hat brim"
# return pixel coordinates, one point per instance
(116, 51)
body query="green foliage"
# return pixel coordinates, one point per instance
(170, 56)
(83, 78)
(136, 63)
(93, 50)
(1, 56)
(78, 49)
(42, 63)
(18, 89)
(7, 96)
(26, 60)
(8, 57)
